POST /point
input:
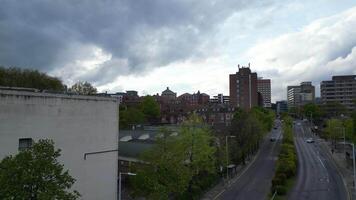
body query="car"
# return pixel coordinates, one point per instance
(310, 140)
(272, 139)
(275, 127)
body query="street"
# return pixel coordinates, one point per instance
(317, 176)
(255, 182)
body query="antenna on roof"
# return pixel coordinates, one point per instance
(249, 65)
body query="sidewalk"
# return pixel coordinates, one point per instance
(345, 170)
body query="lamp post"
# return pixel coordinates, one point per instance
(128, 173)
(227, 155)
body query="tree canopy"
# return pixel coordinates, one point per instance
(248, 129)
(180, 166)
(150, 108)
(28, 78)
(35, 173)
(83, 88)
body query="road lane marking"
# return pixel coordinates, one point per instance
(321, 162)
(219, 194)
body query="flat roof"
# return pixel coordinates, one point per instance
(16, 91)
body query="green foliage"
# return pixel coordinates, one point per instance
(286, 167)
(312, 110)
(16, 77)
(130, 116)
(147, 111)
(150, 108)
(35, 174)
(178, 166)
(249, 128)
(83, 88)
(333, 129)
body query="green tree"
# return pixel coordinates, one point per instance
(130, 116)
(16, 77)
(83, 88)
(178, 166)
(334, 130)
(312, 110)
(35, 174)
(249, 128)
(150, 108)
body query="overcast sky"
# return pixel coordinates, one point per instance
(187, 45)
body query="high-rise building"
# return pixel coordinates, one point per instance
(264, 87)
(243, 88)
(301, 94)
(341, 89)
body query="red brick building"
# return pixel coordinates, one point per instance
(243, 88)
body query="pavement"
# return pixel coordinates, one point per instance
(344, 168)
(253, 181)
(318, 177)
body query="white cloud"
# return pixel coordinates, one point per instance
(321, 49)
(206, 75)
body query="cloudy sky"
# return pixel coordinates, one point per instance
(146, 46)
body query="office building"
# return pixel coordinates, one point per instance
(220, 99)
(341, 89)
(243, 88)
(264, 87)
(281, 106)
(301, 94)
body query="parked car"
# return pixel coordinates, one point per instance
(272, 139)
(310, 140)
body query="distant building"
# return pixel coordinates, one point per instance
(85, 128)
(282, 106)
(301, 94)
(168, 95)
(218, 116)
(220, 99)
(341, 89)
(243, 88)
(264, 87)
(194, 99)
(131, 98)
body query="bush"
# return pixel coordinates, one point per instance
(287, 162)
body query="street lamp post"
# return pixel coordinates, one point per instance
(227, 155)
(128, 173)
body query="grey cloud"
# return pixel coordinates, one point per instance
(148, 34)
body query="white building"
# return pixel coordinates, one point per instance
(85, 128)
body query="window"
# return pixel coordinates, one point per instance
(25, 143)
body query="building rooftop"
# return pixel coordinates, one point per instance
(32, 92)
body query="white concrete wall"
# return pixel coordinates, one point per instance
(77, 124)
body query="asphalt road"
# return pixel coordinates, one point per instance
(255, 182)
(317, 176)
